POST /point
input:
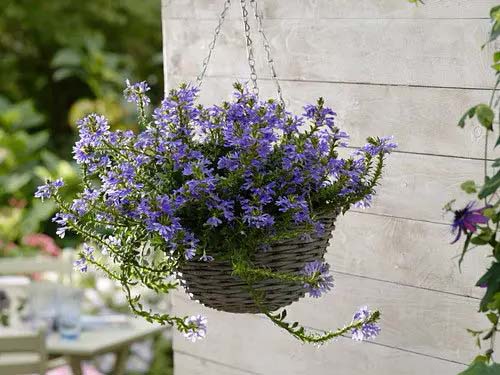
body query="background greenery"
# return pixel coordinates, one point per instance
(60, 60)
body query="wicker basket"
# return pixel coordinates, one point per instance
(213, 285)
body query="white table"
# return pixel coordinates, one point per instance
(110, 339)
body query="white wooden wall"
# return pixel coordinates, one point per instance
(387, 68)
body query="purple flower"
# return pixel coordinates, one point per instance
(128, 172)
(365, 202)
(81, 263)
(80, 206)
(284, 204)
(367, 331)
(49, 189)
(206, 258)
(384, 145)
(61, 219)
(136, 93)
(467, 219)
(190, 243)
(323, 282)
(214, 221)
(198, 328)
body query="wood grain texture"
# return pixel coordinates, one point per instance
(386, 67)
(422, 120)
(254, 344)
(317, 9)
(396, 250)
(417, 320)
(413, 319)
(418, 186)
(368, 51)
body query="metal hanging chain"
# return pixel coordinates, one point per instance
(267, 48)
(211, 46)
(249, 45)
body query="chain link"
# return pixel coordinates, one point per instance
(211, 46)
(249, 45)
(267, 48)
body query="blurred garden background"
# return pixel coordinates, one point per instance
(57, 58)
(60, 60)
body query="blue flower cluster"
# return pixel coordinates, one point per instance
(324, 280)
(367, 330)
(197, 328)
(202, 183)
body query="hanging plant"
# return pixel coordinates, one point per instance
(236, 202)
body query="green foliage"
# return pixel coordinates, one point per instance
(469, 187)
(492, 280)
(57, 57)
(482, 368)
(163, 358)
(486, 234)
(490, 186)
(24, 164)
(482, 112)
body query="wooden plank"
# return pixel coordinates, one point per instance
(253, 343)
(418, 320)
(406, 252)
(366, 51)
(422, 120)
(318, 9)
(422, 321)
(418, 186)
(186, 364)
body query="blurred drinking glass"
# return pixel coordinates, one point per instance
(69, 317)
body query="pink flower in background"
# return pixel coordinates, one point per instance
(7, 246)
(17, 203)
(43, 242)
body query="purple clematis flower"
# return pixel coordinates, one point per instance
(467, 219)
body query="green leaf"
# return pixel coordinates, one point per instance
(490, 187)
(496, 164)
(63, 73)
(489, 212)
(66, 57)
(495, 13)
(14, 182)
(485, 115)
(40, 212)
(469, 187)
(478, 241)
(469, 114)
(492, 317)
(492, 279)
(495, 302)
(482, 368)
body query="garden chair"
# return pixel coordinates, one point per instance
(23, 353)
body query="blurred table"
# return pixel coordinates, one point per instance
(115, 339)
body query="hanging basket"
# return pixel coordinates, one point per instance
(213, 285)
